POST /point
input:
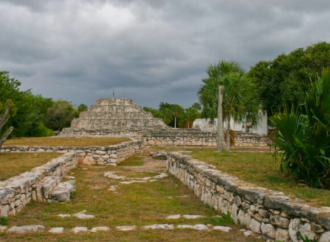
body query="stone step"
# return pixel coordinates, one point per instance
(111, 123)
(114, 109)
(126, 115)
(114, 101)
(62, 193)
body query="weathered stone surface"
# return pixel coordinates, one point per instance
(62, 193)
(325, 237)
(222, 228)
(26, 229)
(282, 235)
(177, 216)
(83, 215)
(126, 228)
(279, 221)
(255, 226)
(100, 229)
(56, 230)
(77, 230)
(159, 226)
(268, 230)
(195, 227)
(3, 229)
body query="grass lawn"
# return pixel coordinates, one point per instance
(135, 204)
(262, 170)
(57, 141)
(132, 161)
(13, 164)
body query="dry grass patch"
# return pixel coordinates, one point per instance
(261, 169)
(13, 164)
(71, 141)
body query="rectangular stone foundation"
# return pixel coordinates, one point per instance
(271, 214)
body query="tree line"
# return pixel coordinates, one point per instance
(34, 115)
(273, 84)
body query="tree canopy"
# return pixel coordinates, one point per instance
(285, 80)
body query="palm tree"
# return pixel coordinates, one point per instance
(239, 97)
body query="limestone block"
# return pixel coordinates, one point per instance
(88, 160)
(279, 221)
(268, 230)
(325, 237)
(282, 235)
(255, 226)
(293, 229)
(306, 231)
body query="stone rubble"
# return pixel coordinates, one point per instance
(26, 229)
(64, 215)
(177, 216)
(77, 230)
(83, 215)
(62, 193)
(222, 228)
(113, 188)
(159, 226)
(126, 228)
(195, 227)
(56, 230)
(100, 229)
(112, 175)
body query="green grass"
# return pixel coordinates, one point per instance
(13, 164)
(135, 204)
(262, 170)
(132, 161)
(63, 141)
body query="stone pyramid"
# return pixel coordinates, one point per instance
(114, 116)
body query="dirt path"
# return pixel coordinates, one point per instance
(138, 196)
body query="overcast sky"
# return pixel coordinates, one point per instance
(147, 50)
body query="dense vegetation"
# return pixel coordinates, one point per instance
(303, 138)
(285, 80)
(176, 116)
(240, 100)
(36, 115)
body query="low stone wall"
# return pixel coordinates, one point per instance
(268, 213)
(191, 137)
(97, 155)
(35, 185)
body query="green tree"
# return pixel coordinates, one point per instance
(189, 116)
(240, 100)
(60, 115)
(82, 108)
(285, 80)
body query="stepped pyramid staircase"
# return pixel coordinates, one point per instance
(114, 116)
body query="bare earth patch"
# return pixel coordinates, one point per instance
(144, 205)
(13, 164)
(59, 141)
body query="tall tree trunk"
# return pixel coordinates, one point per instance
(175, 122)
(5, 136)
(228, 134)
(220, 121)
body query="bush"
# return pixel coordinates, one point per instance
(3, 221)
(303, 140)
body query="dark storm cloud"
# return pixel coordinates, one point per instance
(147, 50)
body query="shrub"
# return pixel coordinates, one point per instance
(3, 221)
(303, 138)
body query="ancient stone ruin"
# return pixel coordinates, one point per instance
(122, 117)
(114, 116)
